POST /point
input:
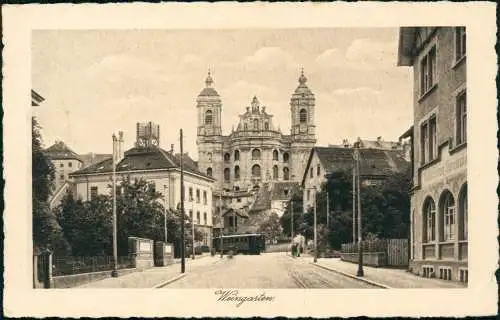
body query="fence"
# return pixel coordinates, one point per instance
(395, 251)
(69, 265)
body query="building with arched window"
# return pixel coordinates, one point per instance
(439, 245)
(256, 151)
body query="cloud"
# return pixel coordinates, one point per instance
(361, 54)
(269, 58)
(192, 60)
(356, 91)
(329, 56)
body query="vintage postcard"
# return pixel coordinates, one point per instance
(250, 159)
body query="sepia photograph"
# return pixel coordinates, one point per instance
(247, 159)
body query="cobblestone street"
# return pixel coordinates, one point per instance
(269, 270)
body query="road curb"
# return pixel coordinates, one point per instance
(373, 283)
(169, 281)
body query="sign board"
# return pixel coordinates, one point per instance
(168, 249)
(145, 246)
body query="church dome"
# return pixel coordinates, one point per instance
(302, 89)
(209, 91)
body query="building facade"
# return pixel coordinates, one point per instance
(439, 136)
(375, 165)
(65, 161)
(159, 167)
(256, 151)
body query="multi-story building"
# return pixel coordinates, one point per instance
(159, 167)
(256, 151)
(375, 165)
(439, 195)
(65, 161)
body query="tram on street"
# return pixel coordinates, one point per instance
(252, 243)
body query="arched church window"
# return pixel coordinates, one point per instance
(275, 172)
(286, 173)
(275, 155)
(209, 172)
(266, 126)
(303, 116)
(209, 157)
(227, 174)
(447, 217)
(255, 154)
(256, 171)
(227, 157)
(256, 124)
(285, 157)
(245, 126)
(236, 155)
(236, 172)
(208, 117)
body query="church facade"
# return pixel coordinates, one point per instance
(255, 152)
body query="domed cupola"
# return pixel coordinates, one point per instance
(302, 90)
(208, 91)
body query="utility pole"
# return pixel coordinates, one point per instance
(327, 208)
(183, 260)
(220, 205)
(291, 224)
(192, 222)
(114, 273)
(360, 272)
(354, 200)
(315, 228)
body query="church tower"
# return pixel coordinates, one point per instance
(303, 128)
(302, 106)
(209, 138)
(209, 107)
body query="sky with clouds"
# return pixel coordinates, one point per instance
(98, 82)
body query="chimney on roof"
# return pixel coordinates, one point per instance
(345, 143)
(121, 152)
(379, 139)
(172, 148)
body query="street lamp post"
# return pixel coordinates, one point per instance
(165, 222)
(114, 273)
(360, 272)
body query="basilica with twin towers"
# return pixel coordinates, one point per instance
(256, 151)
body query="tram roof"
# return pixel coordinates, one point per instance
(240, 235)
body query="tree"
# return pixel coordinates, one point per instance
(46, 231)
(286, 219)
(271, 226)
(139, 212)
(385, 207)
(87, 225)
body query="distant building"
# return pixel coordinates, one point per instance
(439, 136)
(379, 144)
(93, 158)
(160, 167)
(375, 166)
(65, 161)
(256, 151)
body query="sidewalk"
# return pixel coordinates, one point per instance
(149, 278)
(393, 278)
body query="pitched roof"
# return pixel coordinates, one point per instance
(60, 151)
(144, 159)
(92, 158)
(373, 162)
(284, 190)
(36, 98)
